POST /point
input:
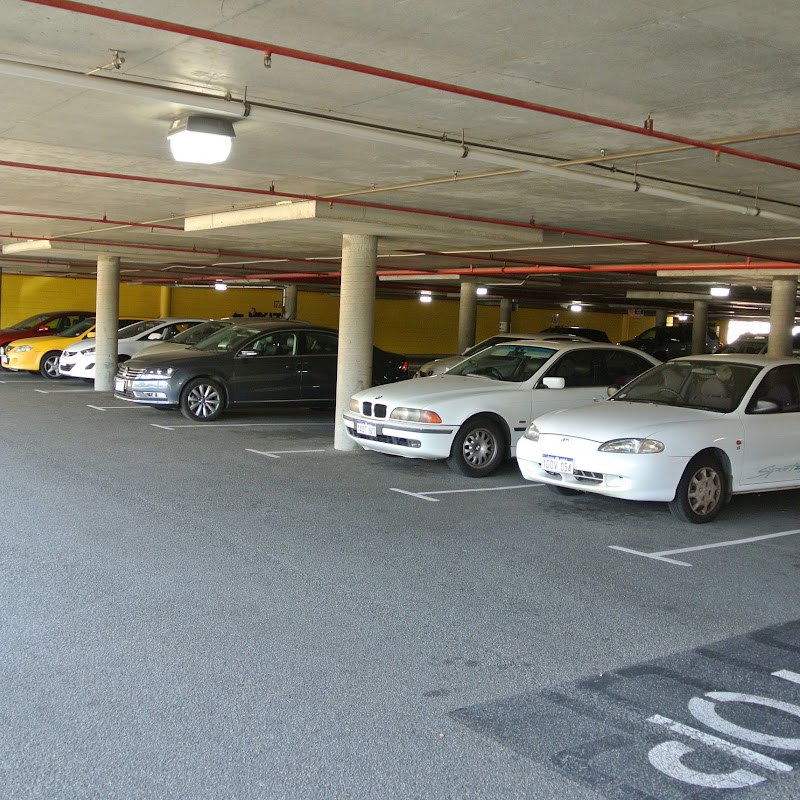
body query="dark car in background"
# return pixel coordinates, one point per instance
(48, 323)
(670, 341)
(593, 334)
(756, 344)
(244, 364)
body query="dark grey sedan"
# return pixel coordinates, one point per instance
(247, 363)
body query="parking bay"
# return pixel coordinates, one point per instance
(490, 609)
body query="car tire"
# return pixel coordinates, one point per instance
(702, 490)
(48, 366)
(478, 449)
(202, 400)
(565, 491)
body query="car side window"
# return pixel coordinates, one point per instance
(781, 387)
(321, 343)
(620, 367)
(281, 343)
(579, 368)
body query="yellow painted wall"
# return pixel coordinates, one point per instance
(405, 326)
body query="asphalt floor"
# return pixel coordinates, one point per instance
(237, 610)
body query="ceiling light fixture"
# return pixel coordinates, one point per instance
(220, 286)
(720, 291)
(201, 140)
(576, 307)
(482, 291)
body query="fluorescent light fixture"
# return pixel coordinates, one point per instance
(482, 291)
(425, 298)
(425, 291)
(682, 317)
(576, 307)
(720, 291)
(201, 140)
(220, 286)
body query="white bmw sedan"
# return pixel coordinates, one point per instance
(691, 433)
(474, 415)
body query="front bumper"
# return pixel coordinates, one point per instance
(410, 440)
(149, 392)
(22, 362)
(648, 476)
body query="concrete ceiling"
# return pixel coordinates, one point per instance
(506, 138)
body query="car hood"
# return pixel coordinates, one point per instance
(45, 342)
(173, 358)
(420, 392)
(619, 419)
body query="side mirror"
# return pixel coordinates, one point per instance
(553, 383)
(91, 335)
(153, 336)
(247, 354)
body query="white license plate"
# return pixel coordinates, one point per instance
(119, 385)
(366, 428)
(5, 359)
(557, 464)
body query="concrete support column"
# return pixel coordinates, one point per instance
(699, 327)
(356, 326)
(506, 307)
(165, 302)
(781, 316)
(107, 322)
(467, 315)
(290, 302)
(661, 316)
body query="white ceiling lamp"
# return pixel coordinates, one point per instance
(720, 291)
(425, 296)
(482, 291)
(220, 286)
(576, 307)
(201, 140)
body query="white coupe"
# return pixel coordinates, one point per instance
(691, 433)
(475, 414)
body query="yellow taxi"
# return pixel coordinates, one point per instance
(41, 353)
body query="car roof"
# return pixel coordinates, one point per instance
(259, 323)
(571, 344)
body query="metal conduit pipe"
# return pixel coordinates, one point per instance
(454, 149)
(402, 77)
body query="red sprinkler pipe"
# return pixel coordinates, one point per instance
(402, 77)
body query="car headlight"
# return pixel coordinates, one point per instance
(89, 351)
(632, 446)
(158, 372)
(415, 415)
(532, 433)
(23, 348)
(354, 405)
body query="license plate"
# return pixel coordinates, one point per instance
(557, 464)
(5, 359)
(119, 385)
(366, 428)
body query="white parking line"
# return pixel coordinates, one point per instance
(661, 555)
(426, 495)
(108, 408)
(217, 425)
(279, 453)
(62, 391)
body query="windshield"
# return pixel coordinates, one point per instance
(227, 339)
(129, 331)
(505, 362)
(79, 327)
(714, 386)
(199, 332)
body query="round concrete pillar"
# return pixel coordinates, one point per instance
(105, 341)
(661, 316)
(781, 316)
(165, 302)
(290, 302)
(506, 307)
(699, 327)
(356, 326)
(467, 315)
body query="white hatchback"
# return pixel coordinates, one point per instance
(78, 360)
(475, 414)
(691, 433)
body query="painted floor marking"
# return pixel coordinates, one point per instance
(216, 425)
(426, 495)
(108, 408)
(787, 675)
(279, 453)
(62, 391)
(661, 556)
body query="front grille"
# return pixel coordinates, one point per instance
(588, 477)
(127, 373)
(369, 410)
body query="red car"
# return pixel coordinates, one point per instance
(48, 323)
